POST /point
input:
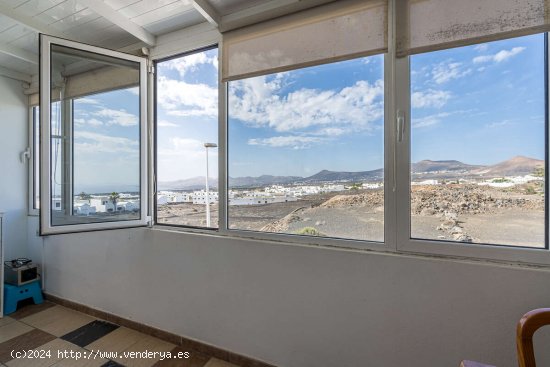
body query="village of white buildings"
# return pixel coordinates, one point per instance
(127, 202)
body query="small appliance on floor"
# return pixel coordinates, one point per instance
(21, 282)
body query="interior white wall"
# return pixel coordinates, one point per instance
(301, 306)
(13, 173)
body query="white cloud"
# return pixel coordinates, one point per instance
(330, 131)
(117, 117)
(94, 143)
(258, 102)
(87, 100)
(500, 56)
(481, 59)
(191, 62)
(430, 98)
(164, 123)
(447, 71)
(482, 47)
(185, 158)
(429, 120)
(294, 142)
(504, 54)
(436, 118)
(497, 124)
(183, 99)
(87, 121)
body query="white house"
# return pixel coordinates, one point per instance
(199, 197)
(83, 209)
(259, 200)
(102, 204)
(174, 197)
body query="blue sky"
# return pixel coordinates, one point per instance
(187, 116)
(301, 122)
(479, 104)
(106, 142)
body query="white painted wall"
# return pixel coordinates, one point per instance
(13, 173)
(301, 306)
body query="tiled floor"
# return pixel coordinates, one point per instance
(55, 336)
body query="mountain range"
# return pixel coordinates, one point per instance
(426, 169)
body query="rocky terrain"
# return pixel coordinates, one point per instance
(457, 212)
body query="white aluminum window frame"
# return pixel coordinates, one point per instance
(406, 244)
(397, 234)
(46, 227)
(389, 244)
(32, 179)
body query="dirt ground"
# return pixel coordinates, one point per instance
(462, 213)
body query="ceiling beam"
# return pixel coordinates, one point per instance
(28, 22)
(21, 54)
(207, 11)
(112, 15)
(12, 74)
(266, 11)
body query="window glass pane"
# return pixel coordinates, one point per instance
(478, 143)
(306, 151)
(187, 137)
(95, 138)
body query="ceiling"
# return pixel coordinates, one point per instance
(125, 25)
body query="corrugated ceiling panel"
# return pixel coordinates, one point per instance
(59, 12)
(14, 33)
(18, 65)
(119, 4)
(6, 23)
(225, 7)
(183, 20)
(143, 6)
(161, 13)
(79, 19)
(35, 7)
(28, 42)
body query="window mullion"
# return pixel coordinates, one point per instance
(222, 156)
(67, 157)
(402, 151)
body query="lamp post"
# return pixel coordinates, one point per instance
(206, 146)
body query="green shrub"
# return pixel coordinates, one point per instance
(310, 231)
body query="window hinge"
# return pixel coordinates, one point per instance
(151, 69)
(149, 221)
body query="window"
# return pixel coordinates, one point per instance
(478, 144)
(187, 137)
(306, 151)
(421, 148)
(93, 138)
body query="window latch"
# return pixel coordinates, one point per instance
(25, 155)
(400, 121)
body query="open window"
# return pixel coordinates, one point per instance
(93, 138)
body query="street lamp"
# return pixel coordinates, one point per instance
(206, 146)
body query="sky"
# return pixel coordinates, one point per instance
(187, 116)
(106, 142)
(479, 104)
